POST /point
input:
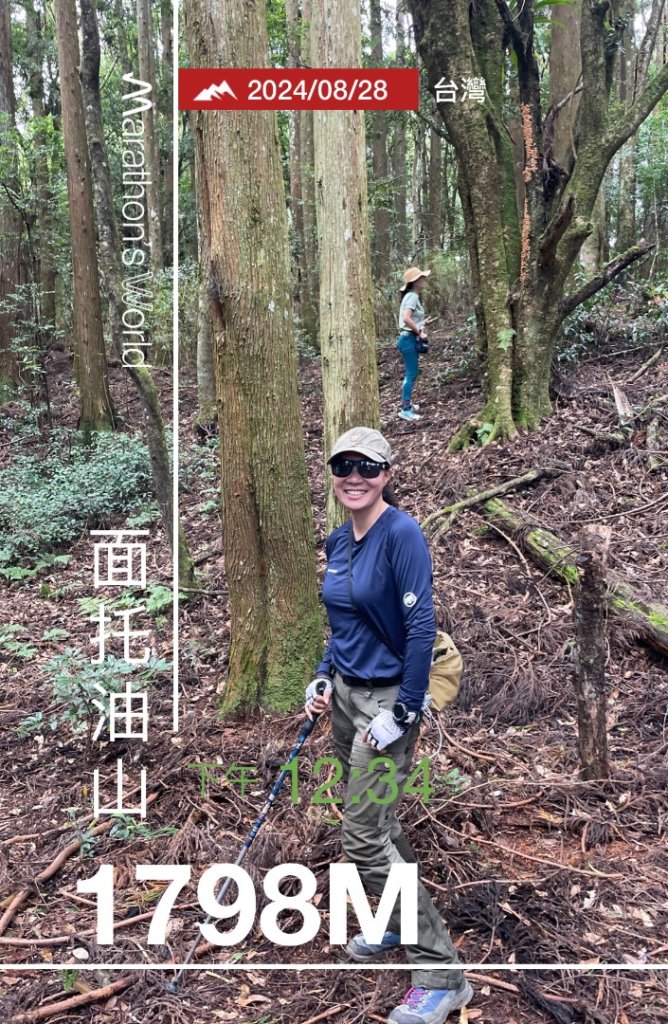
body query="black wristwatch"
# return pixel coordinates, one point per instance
(403, 716)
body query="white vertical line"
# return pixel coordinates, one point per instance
(175, 362)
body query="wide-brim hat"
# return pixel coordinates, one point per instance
(412, 275)
(363, 441)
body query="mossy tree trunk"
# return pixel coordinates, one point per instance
(268, 545)
(90, 362)
(110, 259)
(347, 332)
(522, 287)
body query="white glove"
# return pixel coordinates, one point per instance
(383, 730)
(321, 686)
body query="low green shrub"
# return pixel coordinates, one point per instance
(46, 502)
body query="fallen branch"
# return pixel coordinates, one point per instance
(555, 556)
(55, 866)
(95, 996)
(475, 499)
(645, 366)
(608, 272)
(326, 1013)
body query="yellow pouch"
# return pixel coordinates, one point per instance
(445, 675)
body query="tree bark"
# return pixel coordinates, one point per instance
(90, 361)
(110, 258)
(347, 334)
(550, 553)
(45, 228)
(589, 619)
(267, 528)
(166, 15)
(147, 74)
(434, 221)
(380, 163)
(565, 74)
(207, 409)
(398, 153)
(10, 222)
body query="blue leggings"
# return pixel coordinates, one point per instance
(408, 348)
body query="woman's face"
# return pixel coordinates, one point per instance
(356, 493)
(419, 284)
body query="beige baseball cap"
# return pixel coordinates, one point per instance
(364, 441)
(412, 275)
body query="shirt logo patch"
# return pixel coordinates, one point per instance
(409, 599)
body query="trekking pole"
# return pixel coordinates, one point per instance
(309, 725)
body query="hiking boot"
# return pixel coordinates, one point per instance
(430, 1005)
(408, 414)
(362, 951)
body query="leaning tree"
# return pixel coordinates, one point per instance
(522, 254)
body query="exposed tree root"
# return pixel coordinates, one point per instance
(473, 432)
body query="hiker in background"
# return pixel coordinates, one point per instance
(375, 674)
(412, 338)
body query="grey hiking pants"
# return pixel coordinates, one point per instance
(371, 835)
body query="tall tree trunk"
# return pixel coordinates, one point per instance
(120, 22)
(267, 527)
(110, 259)
(45, 228)
(417, 194)
(90, 361)
(147, 74)
(311, 283)
(166, 15)
(435, 208)
(565, 76)
(295, 147)
(10, 221)
(398, 153)
(380, 163)
(347, 336)
(594, 246)
(207, 408)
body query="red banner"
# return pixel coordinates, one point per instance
(299, 89)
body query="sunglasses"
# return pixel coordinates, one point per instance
(367, 469)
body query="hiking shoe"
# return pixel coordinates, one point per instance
(360, 950)
(408, 414)
(430, 1005)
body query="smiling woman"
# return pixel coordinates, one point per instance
(375, 671)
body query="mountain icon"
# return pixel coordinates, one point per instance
(215, 92)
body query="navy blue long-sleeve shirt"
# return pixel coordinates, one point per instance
(392, 581)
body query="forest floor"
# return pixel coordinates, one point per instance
(528, 864)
